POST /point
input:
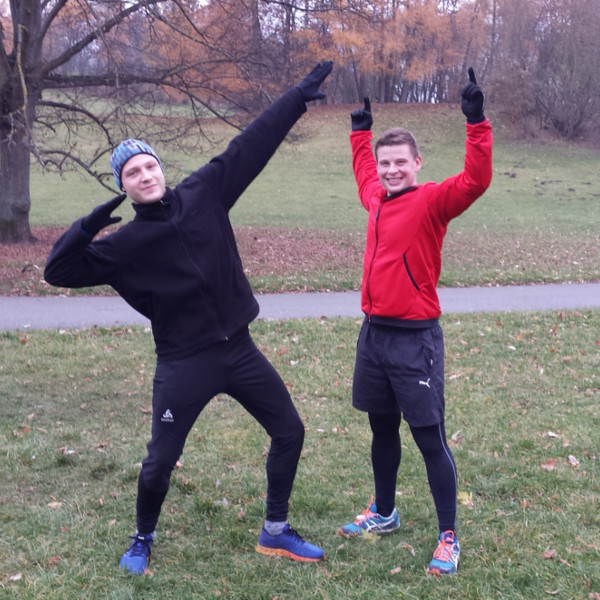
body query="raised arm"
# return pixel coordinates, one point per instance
(73, 261)
(249, 152)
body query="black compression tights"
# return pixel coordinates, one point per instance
(441, 471)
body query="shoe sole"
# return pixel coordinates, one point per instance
(437, 572)
(286, 553)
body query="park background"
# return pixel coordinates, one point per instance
(522, 389)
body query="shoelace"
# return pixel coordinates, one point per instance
(366, 514)
(293, 533)
(141, 547)
(443, 552)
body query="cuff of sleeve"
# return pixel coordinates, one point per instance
(476, 120)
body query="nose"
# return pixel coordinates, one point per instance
(146, 174)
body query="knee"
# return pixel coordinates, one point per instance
(385, 425)
(291, 437)
(156, 476)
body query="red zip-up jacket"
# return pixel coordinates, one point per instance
(405, 233)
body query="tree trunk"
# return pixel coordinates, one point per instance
(15, 202)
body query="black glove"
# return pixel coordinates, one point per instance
(100, 217)
(362, 119)
(472, 100)
(309, 86)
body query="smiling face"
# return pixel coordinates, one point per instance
(397, 167)
(143, 179)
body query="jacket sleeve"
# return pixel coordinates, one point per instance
(231, 172)
(364, 167)
(454, 195)
(76, 261)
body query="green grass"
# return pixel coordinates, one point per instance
(523, 417)
(537, 222)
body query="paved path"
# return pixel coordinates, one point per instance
(63, 312)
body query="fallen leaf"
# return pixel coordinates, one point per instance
(16, 577)
(549, 465)
(395, 571)
(466, 499)
(408, 547)
(573, 461)
(550, 553)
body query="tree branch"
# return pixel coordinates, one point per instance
(92, 36)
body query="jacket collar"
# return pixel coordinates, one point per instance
(412, 188)
(154, 211)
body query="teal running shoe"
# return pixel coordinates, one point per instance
(371, 521)
(446, 556)
(135, 560)
(288, 544)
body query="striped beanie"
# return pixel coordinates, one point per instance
(124, 151)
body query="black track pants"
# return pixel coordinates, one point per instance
(182, 388)
(439, 463)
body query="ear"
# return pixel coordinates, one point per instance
(418, 163)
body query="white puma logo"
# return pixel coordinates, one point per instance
(426, 382)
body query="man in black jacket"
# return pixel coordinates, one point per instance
(177, 263)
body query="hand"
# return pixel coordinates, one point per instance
(101, 217)
(472, 100)
(309, 86)
(362, 119)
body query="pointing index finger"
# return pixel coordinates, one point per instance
(367, 103)
(472, 76)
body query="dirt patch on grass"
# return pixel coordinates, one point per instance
(271, 255)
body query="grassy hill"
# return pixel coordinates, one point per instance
(536, 223)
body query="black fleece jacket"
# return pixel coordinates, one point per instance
(177, 261)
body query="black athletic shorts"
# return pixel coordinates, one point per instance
(400, 370)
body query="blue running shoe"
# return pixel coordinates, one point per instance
(371, 521)
(135, 560)
(446, 556)
(288, 544)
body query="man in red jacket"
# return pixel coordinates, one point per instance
(399, 367)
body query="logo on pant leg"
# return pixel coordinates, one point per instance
(167, 417)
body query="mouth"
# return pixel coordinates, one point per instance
(395, 180)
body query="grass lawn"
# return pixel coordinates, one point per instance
(523, 419)
(522, 393)
(536, 223)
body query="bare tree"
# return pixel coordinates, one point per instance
(567, 84)
(77, 77)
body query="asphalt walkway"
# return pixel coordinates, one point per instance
(66, 312)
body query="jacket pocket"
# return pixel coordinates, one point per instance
(409, 273)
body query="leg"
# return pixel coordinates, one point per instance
(441, 473)
(385, 458)
(257, 386)
(372, 392)
(176, 405)
(181, 390)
